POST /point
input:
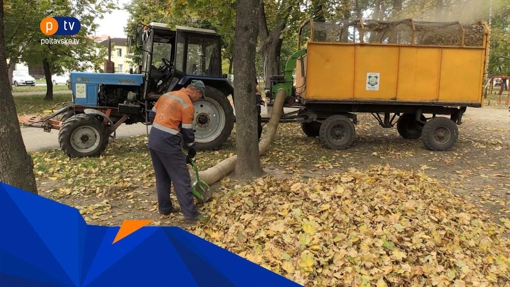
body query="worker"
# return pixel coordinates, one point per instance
(172, 130)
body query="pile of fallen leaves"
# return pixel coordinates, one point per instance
(380, 226)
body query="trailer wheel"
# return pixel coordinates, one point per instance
(311, 129)
(440, 134)
(83, 135)
(408, 127)
(214, 119)
(337, 132)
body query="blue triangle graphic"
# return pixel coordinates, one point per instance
(7, 280)
(19, 272)
(108, 253)
(21, 239)
(49, 218)
(154, 262)
(233, 266)
(204, 272)
(94, 237)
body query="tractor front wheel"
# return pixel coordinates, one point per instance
(83, 135)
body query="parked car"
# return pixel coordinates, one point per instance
(60, 79)
(21, 78)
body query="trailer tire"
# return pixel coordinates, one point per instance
(440, 134)
(215, 109)
(408, 127)
(311, 129)
(85, 128)
(337, 132)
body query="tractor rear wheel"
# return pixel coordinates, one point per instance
(214, 119)
(337, 132)
(65, 116)
(83, 135)
(408, 127)
(311, 129)
(440, 134)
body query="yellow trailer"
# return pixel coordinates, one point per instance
(403, 72)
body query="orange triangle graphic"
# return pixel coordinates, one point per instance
(128, 227)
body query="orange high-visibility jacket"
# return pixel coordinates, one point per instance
(174, 114)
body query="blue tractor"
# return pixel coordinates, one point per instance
(171, 59)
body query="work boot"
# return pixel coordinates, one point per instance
(193, 220)
(173, 210)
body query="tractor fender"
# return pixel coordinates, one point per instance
(99, 113)
(221, 84)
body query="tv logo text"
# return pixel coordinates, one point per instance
(60, 26)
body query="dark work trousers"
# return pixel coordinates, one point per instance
(170, 167)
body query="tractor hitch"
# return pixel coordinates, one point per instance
(47, 122)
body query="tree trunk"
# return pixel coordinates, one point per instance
(397, 9)
(271, 55)
(377, 10)
(270, 42)
(319, 15)
(359, 12)
(248, 165)
(439, 10)
(395, 15)
(16, 167)
(49, 83)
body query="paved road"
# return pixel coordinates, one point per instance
(38, 139)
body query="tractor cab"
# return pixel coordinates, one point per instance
(170, 55)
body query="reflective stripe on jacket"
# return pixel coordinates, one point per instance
(174, 115)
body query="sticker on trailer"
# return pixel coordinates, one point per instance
(373, 80)
(81, 91)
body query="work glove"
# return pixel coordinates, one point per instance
(192, 152)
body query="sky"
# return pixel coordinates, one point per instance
(113, 24)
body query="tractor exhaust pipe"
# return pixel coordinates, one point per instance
(109, 66)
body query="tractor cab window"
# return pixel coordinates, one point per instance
(161, 51)
(158, 59)
(203, 55)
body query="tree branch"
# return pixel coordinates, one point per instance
(263, 31)
(18, 26)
